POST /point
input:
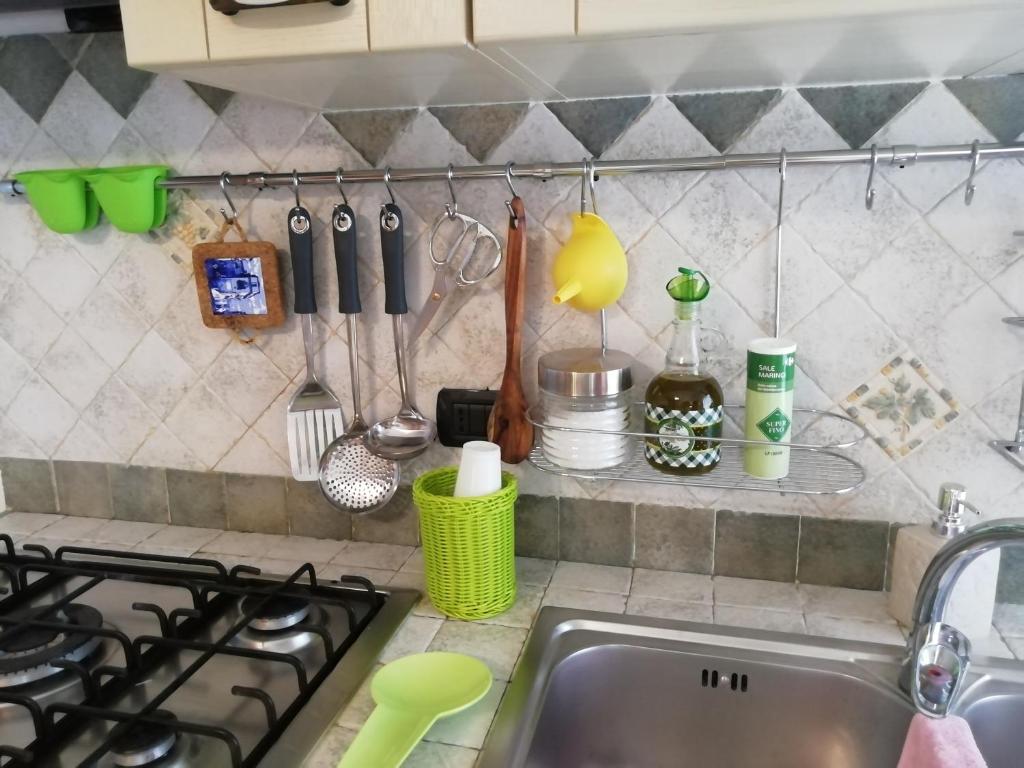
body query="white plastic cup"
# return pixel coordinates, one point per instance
(479, 470)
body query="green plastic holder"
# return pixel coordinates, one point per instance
(61, 199)
(468, 545)
(70, 200)
(130, 197)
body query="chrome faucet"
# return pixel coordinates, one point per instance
(938, 655)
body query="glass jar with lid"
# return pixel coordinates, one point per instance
(585, 389)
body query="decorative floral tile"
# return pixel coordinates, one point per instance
(902, 407)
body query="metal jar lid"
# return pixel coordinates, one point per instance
(585, 372)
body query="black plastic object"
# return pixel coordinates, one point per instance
(300, 241)
(462, 415)
(343, 225)
(392, 248)
(231, 7)
(97, 18)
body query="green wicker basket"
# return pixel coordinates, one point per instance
(468, 545)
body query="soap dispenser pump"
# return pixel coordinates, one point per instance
(952, 505)
(973, 602)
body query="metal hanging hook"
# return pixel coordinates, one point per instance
(388, 219)
(339, 179)
(512, 189)
(975, 156)
(342, 220)
(295, 188)
(451, 208)
(589, 180)
(225, 179)
(869, 194)
(387, 184)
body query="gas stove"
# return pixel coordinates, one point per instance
(125, 659)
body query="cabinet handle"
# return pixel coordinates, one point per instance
(231, 7)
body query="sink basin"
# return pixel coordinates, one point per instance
(598, 690)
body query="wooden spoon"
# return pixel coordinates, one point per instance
(508, 425)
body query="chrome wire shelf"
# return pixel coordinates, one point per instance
(816, 469)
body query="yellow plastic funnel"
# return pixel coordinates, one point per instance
(590, 271)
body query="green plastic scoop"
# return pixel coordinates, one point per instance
(412, 693)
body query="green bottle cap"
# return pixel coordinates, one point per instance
(688, 285)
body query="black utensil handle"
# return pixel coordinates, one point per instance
(343, 224)
(300, 241)
(393, 250)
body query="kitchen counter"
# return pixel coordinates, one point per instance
(455, 742)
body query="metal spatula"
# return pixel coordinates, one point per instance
(314, 413)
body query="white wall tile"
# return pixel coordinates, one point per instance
(245, 379)
(934, 117)
(163, 449)
(252, 455)
(41, 414)
(146, 278)
(842, 341)
(971, 349)
(15, 443)
(807, 280)
(109, 325)
(960, 453)
(27, 323)
(270, 128)
(905, 283)
(173, 119)
(61, 276)
(157, 374)
(14, 372)
(81, 121)
(791, 123)
(983, 232)
(661, 131)
(205, 424)
(718, 221)
(83, 444)
(837, 224)
(74, 369)
(15, 131)
(120, 418)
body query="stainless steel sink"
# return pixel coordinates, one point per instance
(597, 690)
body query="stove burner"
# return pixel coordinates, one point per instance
(144, 743)
(26, 657)
(276, 613)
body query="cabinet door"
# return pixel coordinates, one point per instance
(159, 34)
(615, 17)
(287, 32)
(500, 20)
(406, 25)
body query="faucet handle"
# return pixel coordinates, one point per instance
(952, 503)
(940, 669)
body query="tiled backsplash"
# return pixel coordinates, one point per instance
(845, 553)
(103, 356)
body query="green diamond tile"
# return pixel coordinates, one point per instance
(597, 123)
(723, 117)
(372, 131)
(858, 112)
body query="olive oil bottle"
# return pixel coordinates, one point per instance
(684, 402)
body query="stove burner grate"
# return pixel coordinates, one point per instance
(26, 656)
(277, 613)
(144, 743)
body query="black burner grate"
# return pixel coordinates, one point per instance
(214, 591)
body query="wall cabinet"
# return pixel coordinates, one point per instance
(397, 53)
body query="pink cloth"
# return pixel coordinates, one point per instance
(945, 743)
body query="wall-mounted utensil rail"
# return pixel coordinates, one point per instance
(899, 155)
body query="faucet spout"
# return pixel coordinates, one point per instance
(938, 655)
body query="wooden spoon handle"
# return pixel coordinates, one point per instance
(515, 288)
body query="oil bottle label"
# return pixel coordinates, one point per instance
(681, 445)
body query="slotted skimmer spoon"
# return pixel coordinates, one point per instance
(351, 477)
(314, 413)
